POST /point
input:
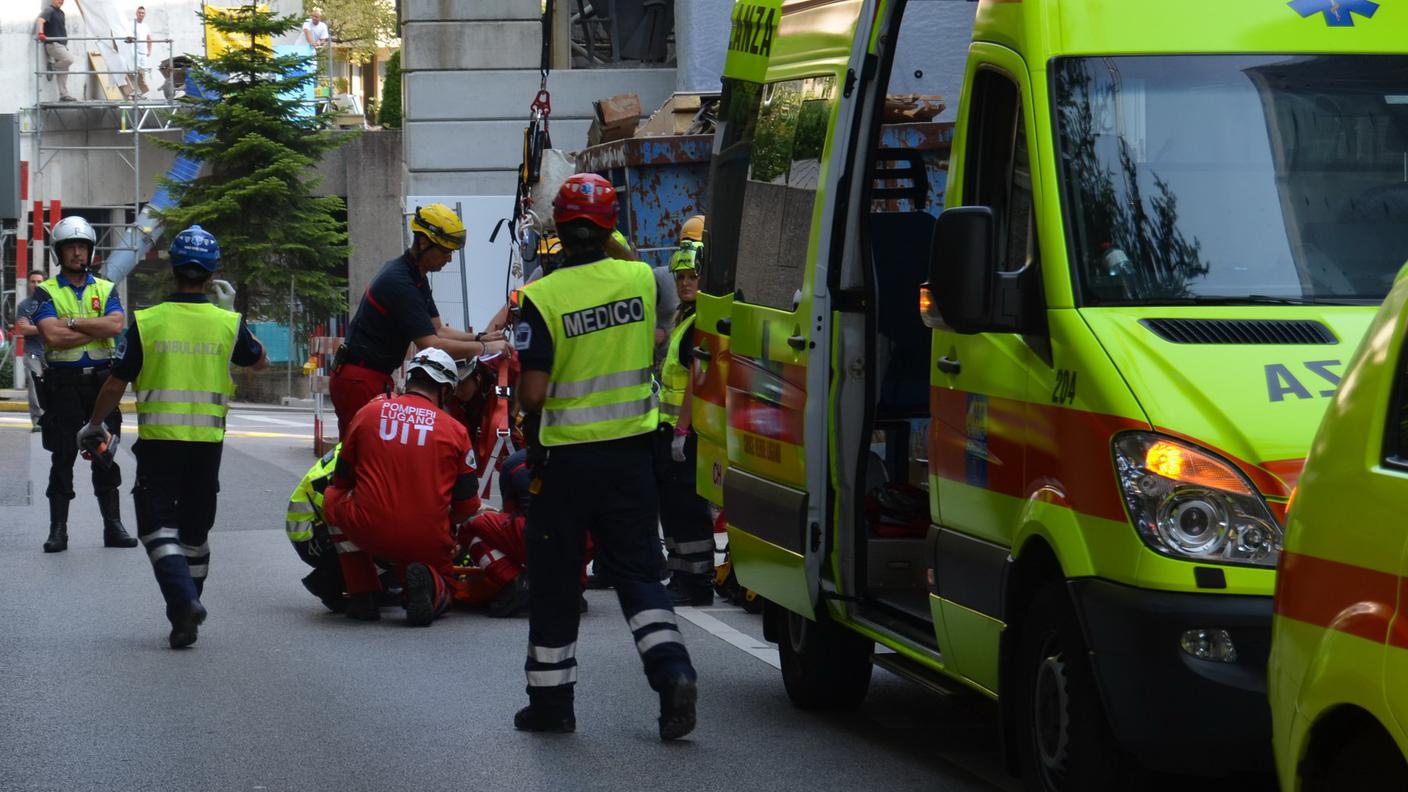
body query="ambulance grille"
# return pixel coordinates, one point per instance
(1241, 331)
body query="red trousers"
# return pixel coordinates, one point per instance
(351, 387)
(494, 541)
(360, 537)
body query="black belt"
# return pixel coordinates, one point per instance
(355, 357)
(76, 372)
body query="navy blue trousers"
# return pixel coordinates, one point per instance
(607, 490)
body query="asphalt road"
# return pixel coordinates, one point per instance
(280, 695)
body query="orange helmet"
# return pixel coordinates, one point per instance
(586, 196)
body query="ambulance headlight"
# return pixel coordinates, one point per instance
(1188, 503)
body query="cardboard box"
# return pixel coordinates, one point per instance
(616, 119)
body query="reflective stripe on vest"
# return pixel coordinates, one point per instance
(305, 505)
(184, 387)
(674, 374)
(67, 305)
(170, 395)
(601, 317)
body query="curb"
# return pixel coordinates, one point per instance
(23, 406)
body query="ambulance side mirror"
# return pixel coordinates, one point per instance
(962, 271)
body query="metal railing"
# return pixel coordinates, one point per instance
(616, 33)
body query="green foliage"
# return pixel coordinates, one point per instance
(256, 195)
(391, 93)
(1114, 212)
(358, 27)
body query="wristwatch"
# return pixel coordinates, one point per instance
(71, 322)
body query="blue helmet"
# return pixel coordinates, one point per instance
(195, 246)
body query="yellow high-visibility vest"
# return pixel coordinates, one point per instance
(184, 387)
(68, 305)
(601, 317)
(674, 374)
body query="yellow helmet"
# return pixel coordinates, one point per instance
(549, 245)
(440, 225)
(693, 229)
(687, 257)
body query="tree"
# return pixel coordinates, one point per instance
(259, 141)
(358, 26)
(390, 115)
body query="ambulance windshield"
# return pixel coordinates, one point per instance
(1256, 178)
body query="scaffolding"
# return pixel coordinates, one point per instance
(121, 110)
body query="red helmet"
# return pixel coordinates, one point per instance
(586, 196)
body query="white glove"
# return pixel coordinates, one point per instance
(90, 431)
(224, 294)
(677, 447)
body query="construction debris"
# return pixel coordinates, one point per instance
(682, 114)
(616, 119)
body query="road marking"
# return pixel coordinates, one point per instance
(758, 648)
(23, 423)
(266, 419)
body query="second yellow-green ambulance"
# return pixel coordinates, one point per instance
(1339, 660)
(1058, 474)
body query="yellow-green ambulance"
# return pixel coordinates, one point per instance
(1339, 653)
(1058, 473)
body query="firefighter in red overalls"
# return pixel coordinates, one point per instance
(404, 477)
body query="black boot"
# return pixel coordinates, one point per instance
(114, 535)
(58, 526)
(677, 707)
(184, 623)
(362, 607)
(691, 589)
(512, 601)
(542, 719)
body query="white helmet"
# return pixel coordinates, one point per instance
(437, 364)
(73, 228)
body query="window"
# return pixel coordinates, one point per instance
(779, 193)
(1396, 428)
(1233, 178)
(733, 148)
(999, 172)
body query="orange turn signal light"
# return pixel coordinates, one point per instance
(1180, 463)
(926, 301)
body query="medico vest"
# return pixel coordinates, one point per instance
(601, 317)
(184, 387)
(305, 505)
(68, 306)
(674, 374)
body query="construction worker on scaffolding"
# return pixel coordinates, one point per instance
(398, 310)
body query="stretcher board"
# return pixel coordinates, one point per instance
(99, 64)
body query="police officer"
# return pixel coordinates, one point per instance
(79, 317)
(684, 515)
(585, 340)
(397, 310)
(178, 354)
(33, 348)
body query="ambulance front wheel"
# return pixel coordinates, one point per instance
(1064, 740)
(824, 665)
(1365, 758)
